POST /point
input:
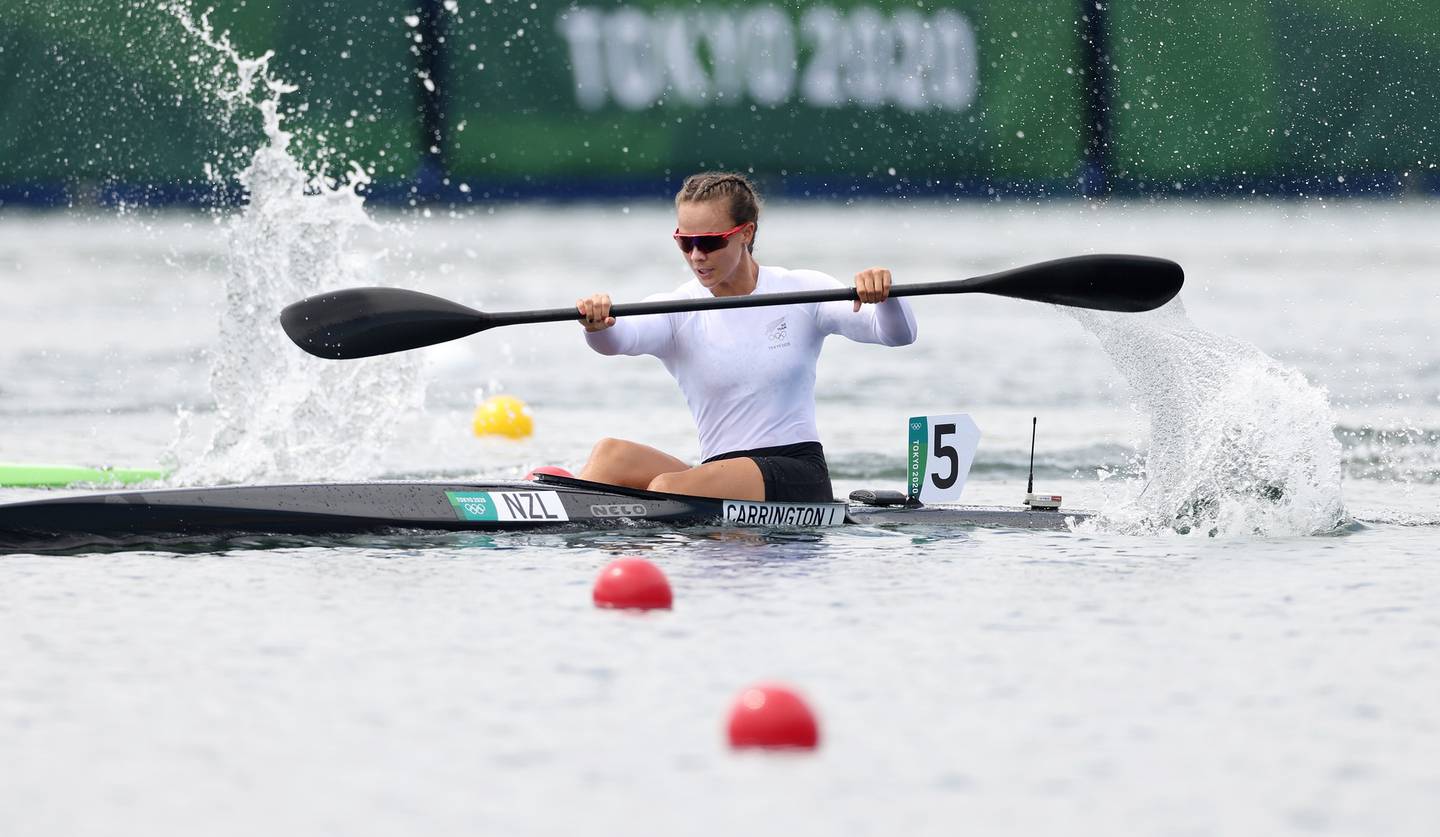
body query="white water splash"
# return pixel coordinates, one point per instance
(280, 413)
(1239, 443)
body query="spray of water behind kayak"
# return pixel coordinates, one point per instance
(1239, 443)
(281, 414)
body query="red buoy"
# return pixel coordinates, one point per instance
(775, 716)
(552, 470)
(632, 583)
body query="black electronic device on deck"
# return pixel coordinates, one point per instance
(1033, 501)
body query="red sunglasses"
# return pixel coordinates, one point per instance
(706, 242)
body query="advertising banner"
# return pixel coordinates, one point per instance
(875, 90)
(828, 98)
(1251, 94)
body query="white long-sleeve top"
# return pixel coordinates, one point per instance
(748, 374)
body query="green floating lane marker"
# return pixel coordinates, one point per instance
(14, 475)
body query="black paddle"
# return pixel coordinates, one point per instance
(362, 322)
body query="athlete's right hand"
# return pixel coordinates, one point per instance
(595, 312)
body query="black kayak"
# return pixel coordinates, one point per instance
(387, 506)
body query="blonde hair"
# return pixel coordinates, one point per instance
(742, 196)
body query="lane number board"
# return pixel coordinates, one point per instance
(940, 452)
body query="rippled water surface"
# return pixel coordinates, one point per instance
(1124, 678)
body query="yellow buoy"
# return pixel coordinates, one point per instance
(503, 415)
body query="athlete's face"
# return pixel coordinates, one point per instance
(727, 266)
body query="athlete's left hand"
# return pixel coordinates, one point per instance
(872, 285)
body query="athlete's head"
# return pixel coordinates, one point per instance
(732, 192)
(716, 222)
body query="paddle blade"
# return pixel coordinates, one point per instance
(1101, 282)
(364, 322)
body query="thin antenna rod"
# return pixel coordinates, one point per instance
(1030, 483)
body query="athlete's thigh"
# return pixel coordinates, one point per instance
(651, 460)
(734, 479)
(622, 462)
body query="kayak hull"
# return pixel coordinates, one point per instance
(355, 508)
(346, 508)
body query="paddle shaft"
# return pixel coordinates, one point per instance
(363, 322)
(675, 306)
(1005, 283)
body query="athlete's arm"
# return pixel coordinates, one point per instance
(644, 335)
(887, 321)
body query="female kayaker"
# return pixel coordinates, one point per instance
(748, 374)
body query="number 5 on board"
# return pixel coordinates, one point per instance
(940, 452)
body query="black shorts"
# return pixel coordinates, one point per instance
(793, 473)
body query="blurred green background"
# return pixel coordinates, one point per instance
(104, 97)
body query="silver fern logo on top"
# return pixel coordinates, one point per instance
(776, 331)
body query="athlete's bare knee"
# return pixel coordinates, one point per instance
(606, 463)
(607, 448)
